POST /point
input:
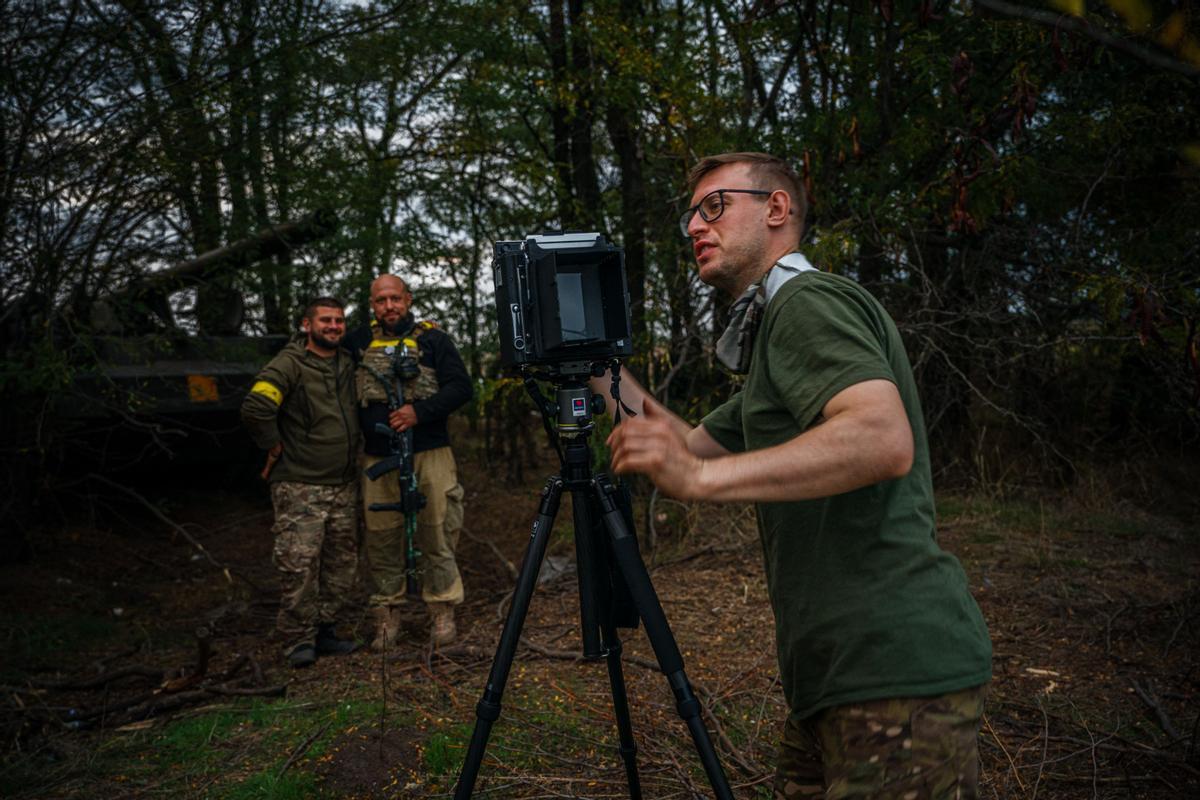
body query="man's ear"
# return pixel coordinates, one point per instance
(305, 324)
(779, 207)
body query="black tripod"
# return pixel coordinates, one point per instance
(614, 587)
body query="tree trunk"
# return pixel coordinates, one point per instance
(559, 114)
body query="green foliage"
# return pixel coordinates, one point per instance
(499, 391)
(198, 745)
(602, 427)
(41, 369)
(444, 750)
(1021, 197)
(267, 786)
(990, 518)
(187, 739)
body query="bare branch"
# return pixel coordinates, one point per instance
(1067, 22)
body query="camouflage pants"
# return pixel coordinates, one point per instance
(902, 749)
(438, 527)
(316, 553)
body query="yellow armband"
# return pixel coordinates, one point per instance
(269, 391)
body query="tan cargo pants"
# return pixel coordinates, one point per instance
(438, 527)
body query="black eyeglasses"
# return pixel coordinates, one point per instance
(711, 207)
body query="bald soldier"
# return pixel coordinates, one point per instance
(442, 387)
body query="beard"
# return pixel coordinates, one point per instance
(401, 325)
(321, 341)
(740, 263)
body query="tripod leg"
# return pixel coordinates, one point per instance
(586, 569)
(628, 749)
(633, 569)
(487, 711)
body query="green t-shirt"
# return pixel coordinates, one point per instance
(867, 606)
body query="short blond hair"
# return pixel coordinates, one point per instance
(768, 172)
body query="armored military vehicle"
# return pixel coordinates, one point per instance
(152, 393)
(148, 364)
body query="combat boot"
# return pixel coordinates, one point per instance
(302, 655)
(385, 621)
(441, 623)
(328, 643)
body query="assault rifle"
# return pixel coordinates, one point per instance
(403, 367)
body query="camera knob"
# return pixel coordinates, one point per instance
(598, 404)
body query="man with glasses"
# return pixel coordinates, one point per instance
(884, 656)
(442, 387)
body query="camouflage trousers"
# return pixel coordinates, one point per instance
(438, 527)
(901, 749)
(316, 553)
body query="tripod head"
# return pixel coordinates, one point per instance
(569, 415)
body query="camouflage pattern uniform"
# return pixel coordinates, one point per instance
(901, 749)
(316, 554)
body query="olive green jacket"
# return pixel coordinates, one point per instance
(306, 402)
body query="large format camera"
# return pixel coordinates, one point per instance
(561, 301)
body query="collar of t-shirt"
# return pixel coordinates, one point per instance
(784, 270)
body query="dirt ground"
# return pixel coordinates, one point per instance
(122, 626)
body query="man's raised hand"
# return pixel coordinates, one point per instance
(653, 444)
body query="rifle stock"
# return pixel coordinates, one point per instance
(383, 467)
